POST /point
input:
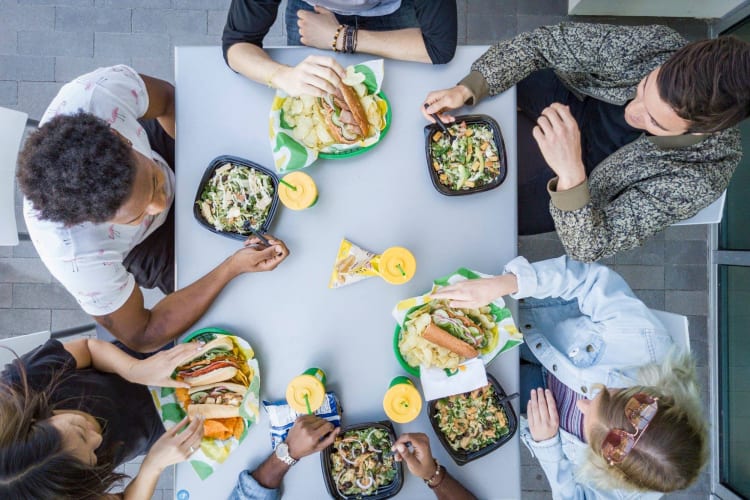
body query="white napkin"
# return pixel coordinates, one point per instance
(440, 383)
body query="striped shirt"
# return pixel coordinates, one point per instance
(571, 418)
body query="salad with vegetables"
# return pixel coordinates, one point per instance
(472, 420)
(466, 159)
(235, 194)
(361, 461)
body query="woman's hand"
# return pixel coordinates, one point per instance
(157, 370)
(440, 101)
(318, 28)
(176, 445)
(419, 461)
(541, 413)
(315, 75)
(471, 294)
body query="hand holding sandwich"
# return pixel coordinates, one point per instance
(157, 370)
(478, 292)
(315, 75)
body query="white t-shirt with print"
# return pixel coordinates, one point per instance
(87, 258)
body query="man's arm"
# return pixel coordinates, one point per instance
(160, 103)
(146, 330)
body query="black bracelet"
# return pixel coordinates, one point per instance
(354, 47)
(349, 40)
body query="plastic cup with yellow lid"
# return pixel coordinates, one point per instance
(306, 392)
(298, 191)
(402, 401)
(397, 265)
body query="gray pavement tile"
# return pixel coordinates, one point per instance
(92, 19)
(216, 21)
(69, 68)
(652, 298)
(686, 302)
(699, 352)
(202, 4)
(158, 67)
(6, 251)
(55, 43)
(684, 233)
(698, 326)
(6, 295)
(484, 29)
(642, 277)
(129, 44)
(538, 247)
(530, 22)
(651, 253)
(33, 98)
(685, 252)
(27, 17)
(30, 68)
(69, 318)
(154, 4)
(535, 495)
(166, 480)
(42, 296)
(77, 3)
(543, 7)
(197, 39)
(170, 21)
(461, 10)
(24, 250)
(690, 277)
(8, 41)
(21, 321)
(8, 93)
(533, 478)
(23, 271)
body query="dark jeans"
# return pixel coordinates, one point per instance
(603, 131)
(404, 17)
(151, 262)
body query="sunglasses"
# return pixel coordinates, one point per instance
(639, 410)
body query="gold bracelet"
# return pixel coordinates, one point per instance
(269, 80)
(334, 44)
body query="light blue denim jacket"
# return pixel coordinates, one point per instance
(248, 488)
(586, 327)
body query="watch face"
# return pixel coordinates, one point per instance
(282, 450)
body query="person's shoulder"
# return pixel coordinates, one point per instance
(39, 364)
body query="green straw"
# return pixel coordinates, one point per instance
(398, 266)
(293, 188)
(307, 403)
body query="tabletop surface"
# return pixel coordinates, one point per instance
(380, 199)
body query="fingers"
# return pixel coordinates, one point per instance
(328, 441)
(551, 407)
(193, 431)
(178, 427)
(532, 410)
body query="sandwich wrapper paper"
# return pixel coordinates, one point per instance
(282, 416)
(289, 153)
(212, 452)
(471, 374)
(353, 264)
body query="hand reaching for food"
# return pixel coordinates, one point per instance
(440, 101)
(559, 141)
(310, 434)
(254, 258)
(157, 370)
(542, 415)
(176, 444)
(315, 75)
(317, 28)
(419, 459)
(478, 292)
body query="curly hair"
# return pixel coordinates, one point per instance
(33, 463)
(708, 83)
(75, 169)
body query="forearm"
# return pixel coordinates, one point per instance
(271, 472)
(254, 63)
(405, 44)
(451, 489)
(144, 484)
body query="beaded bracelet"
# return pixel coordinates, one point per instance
(334, 44)
(435, 476)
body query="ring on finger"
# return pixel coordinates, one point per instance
(192, 450)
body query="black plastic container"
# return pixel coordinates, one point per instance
(218, 162)
(464, 457)
(430, 130)
(381, 493)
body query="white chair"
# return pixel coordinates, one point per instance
(677, 327)
(710, 215)
(12, 126)
(21, 345)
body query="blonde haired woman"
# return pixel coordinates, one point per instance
(619, 414)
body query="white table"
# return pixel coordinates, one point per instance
(379, 199)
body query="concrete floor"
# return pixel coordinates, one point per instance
(44, 43)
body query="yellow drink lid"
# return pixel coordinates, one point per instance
(397, 265)
(304, 194)
(402, 403)
(305, 385)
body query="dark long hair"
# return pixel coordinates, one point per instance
(33, 464)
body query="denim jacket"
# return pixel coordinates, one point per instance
(586, 327)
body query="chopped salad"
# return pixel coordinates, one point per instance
(235, 194)
(473, 420)
(361, 462)
(469, 161)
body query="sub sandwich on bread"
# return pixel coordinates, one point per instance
(219, 360)
(344, 115)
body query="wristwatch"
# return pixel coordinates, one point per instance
(282, 453)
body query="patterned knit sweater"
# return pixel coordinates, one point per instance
(644, 186)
